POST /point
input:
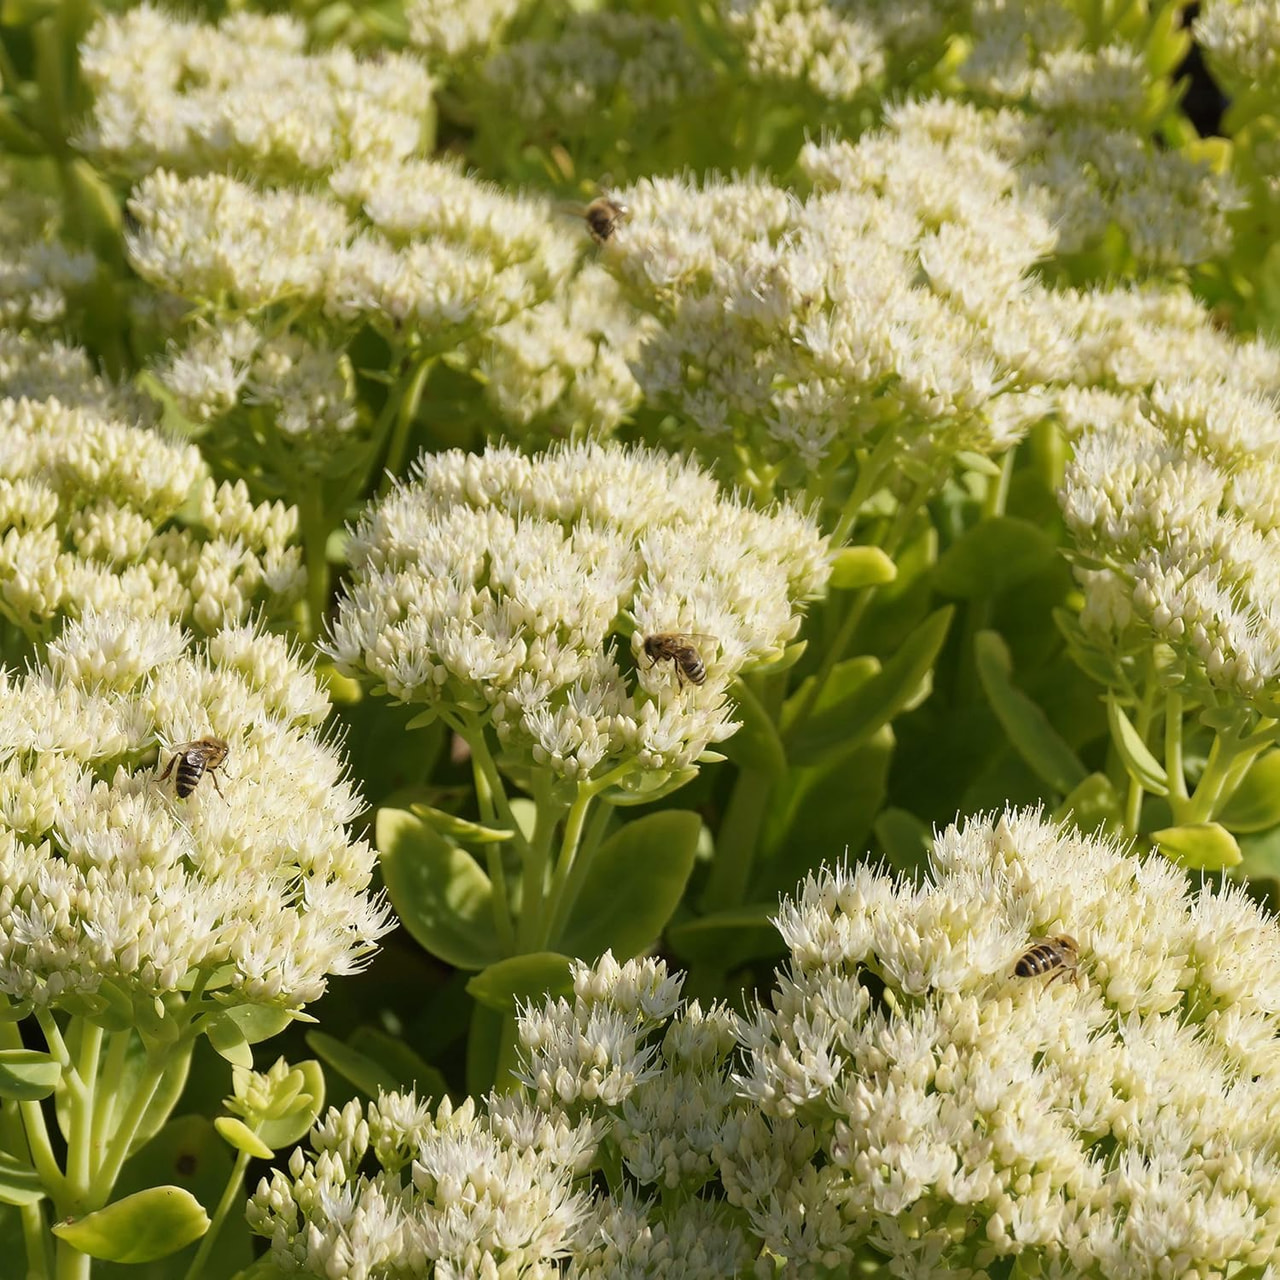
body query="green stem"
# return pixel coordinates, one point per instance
(105, 1112)
(1173, 765)
(1229, 759)
(573, 827)
(315, 545)
(410, 394)
(1142, 723)
(501, 897)
(71, 1264)
(80, 1114)
(533, 881)
(472, 732)
(870, 472)
(576, 853)
(231, 1193)
(36, 1238)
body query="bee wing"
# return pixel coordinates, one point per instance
(571, 208)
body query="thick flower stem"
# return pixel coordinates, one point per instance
(408, 394)
(231, 1193)
(315, 544)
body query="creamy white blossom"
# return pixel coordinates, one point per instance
(105, 514)
(907, 1090)
(188, 96)
(113, 883)
(514, 591)
(39, 270)
(468, 1192)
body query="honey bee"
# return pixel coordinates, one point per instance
(679, 649)
(603, 216)
(1058, 956)
(195, 759)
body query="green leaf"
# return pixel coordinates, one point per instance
(855, 567)
(399, 1060)
(229, 1040)
(655, 787)
(238, 1135)
(26, 1075)
(1095, 805)
(756, 745)
(520, 979)
(727, 938)
(819, 813)
(1135, 753)
(140, 1228)
(1255, 803)
(439, 891)
(353, 1066)
(19, 1182)
(635, 882)
(898, 684)
(281, 1131)
(1199, 846)
(258, 1022)
(905, 840)
(1028, 728)
(993, 556)
(845, 677)
(453, 827)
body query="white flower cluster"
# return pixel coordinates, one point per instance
(183, 94)
(463, 1192)
(894, 302)
(907, 1090)
(517, 590)
(1171, 494)
(452, 31)
(40, 368)
(98, 513)
(37, 269)
(1089, 177)
(833, 48)
(1241, 41)
(110, 882)
(446, 256)
(309, 386)
(561, 369)
(625, 66)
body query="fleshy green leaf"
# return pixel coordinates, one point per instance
(450, 825)
(993, 556)
(237, 1134)
(278, 1132)
(400, 1061)
(140, 1228)
(353, 1066)
(727, 938)
(519, 979)
(439, 891)
(635, 882)
(855, 567)
(1255, 803)
(1094, 805)
(1135, 753)
(1028, 728)
(659, 787)
(904, 838)
(756, 745)
(1199, 846)
(229, 1040)
(258, 1022)
(19, 1182)
(896, 686)
(26, 1075)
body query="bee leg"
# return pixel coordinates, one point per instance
(679, 677)
(213, 774)
(168, 769)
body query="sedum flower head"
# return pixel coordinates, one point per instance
(112, 885)
(561, 369)
(450, 32)
(1241, 41)
(611, 64)
(401, 1191)
(433, 252)
(102, 514)
(906, 1090)
(183, 95)
(891, 302)
(519, 591)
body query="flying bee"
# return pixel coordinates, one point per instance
(1057, 956)
(679, 649)
(603, 216)
(195, 759)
